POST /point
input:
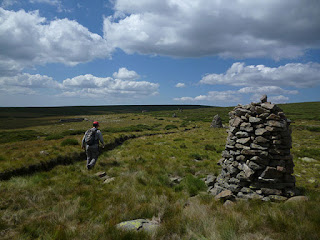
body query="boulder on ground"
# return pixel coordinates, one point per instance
(139, 225)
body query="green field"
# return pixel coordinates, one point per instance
(50, 194)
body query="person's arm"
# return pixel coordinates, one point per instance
(100, 137)
(83, 141)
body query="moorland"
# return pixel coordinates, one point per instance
(46, 192)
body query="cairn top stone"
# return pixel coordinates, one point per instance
(263, 99)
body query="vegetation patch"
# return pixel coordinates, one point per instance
(132, 128)
(16, 136)
(210, 147)
(169, 127)
(308, 152)
(69, 142)
(54, 136)
(193, 185)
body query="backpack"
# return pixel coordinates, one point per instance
(90, 136)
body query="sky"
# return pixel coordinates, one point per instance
(147, 52)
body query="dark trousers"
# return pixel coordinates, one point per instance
(92, 156)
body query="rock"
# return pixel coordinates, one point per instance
(269, 191)
(261, 131)
(308, 160)
(260, 139)
(255, 120)
(44, 153)
(244, 140)
(139, 225)
(210, 180)
(108, 180)
(100, 174)
(271, 173)
(225, 195)
(263, 99)
(277, 198)
(268, 106)
(298, 199)
(228, 204)
(216, 122)
(175, 180)
(242, 134)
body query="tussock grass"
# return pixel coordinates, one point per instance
(69, 202)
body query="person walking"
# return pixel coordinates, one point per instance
(90, 142)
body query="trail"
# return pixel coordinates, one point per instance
(72, 158)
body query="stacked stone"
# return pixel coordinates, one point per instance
(256, 162)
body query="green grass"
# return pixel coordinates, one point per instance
(69, 142)
(69, 202)
(16, 136)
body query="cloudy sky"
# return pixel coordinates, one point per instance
(211, 52)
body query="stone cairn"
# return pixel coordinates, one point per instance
(216, 122)
(256, 162)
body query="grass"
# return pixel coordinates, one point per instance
(69, 202)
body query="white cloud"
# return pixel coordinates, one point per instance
(214, 96)
(266, 90)
(51, 2)
(125, 74)
(193, 28)
(180, 85)
(292, 74)
(97, 87)
(278, 99)
(27, 39)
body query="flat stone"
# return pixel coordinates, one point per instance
(256, 146)
(261, 131)
(270, 191)
(260, 139)
(100, 174)
(244, 140)
(277, 198)
(255, 120)
(278, 124)
(139, 225)
(273, 116)
(247, 170)
(261, 110)
(298, 199)
(225, 195)
(250, 152)
(241, 112)
(268, 106)
(242, 134)
(240, 146)
(109, 180)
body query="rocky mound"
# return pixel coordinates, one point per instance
(256, 162)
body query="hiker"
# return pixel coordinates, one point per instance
(90, 142)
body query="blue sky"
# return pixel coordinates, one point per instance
(211, 52)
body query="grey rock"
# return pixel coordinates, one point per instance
(297, 199)
(261, 131)
(277, 198)
(109, 180)
(255, 120)
(273, 117)
(242, 134)
(254, 166)
(260, 139)
(100, 174)
(268, 106)
(269, 191)
(216, 122)
(256, 146)
(228, 204)
(271, 173)
(263, 99)
(244, 140)
(225, 195)
(139, 225)
(210, 180)
(259, 160)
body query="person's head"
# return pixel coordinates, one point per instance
(96, 124)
